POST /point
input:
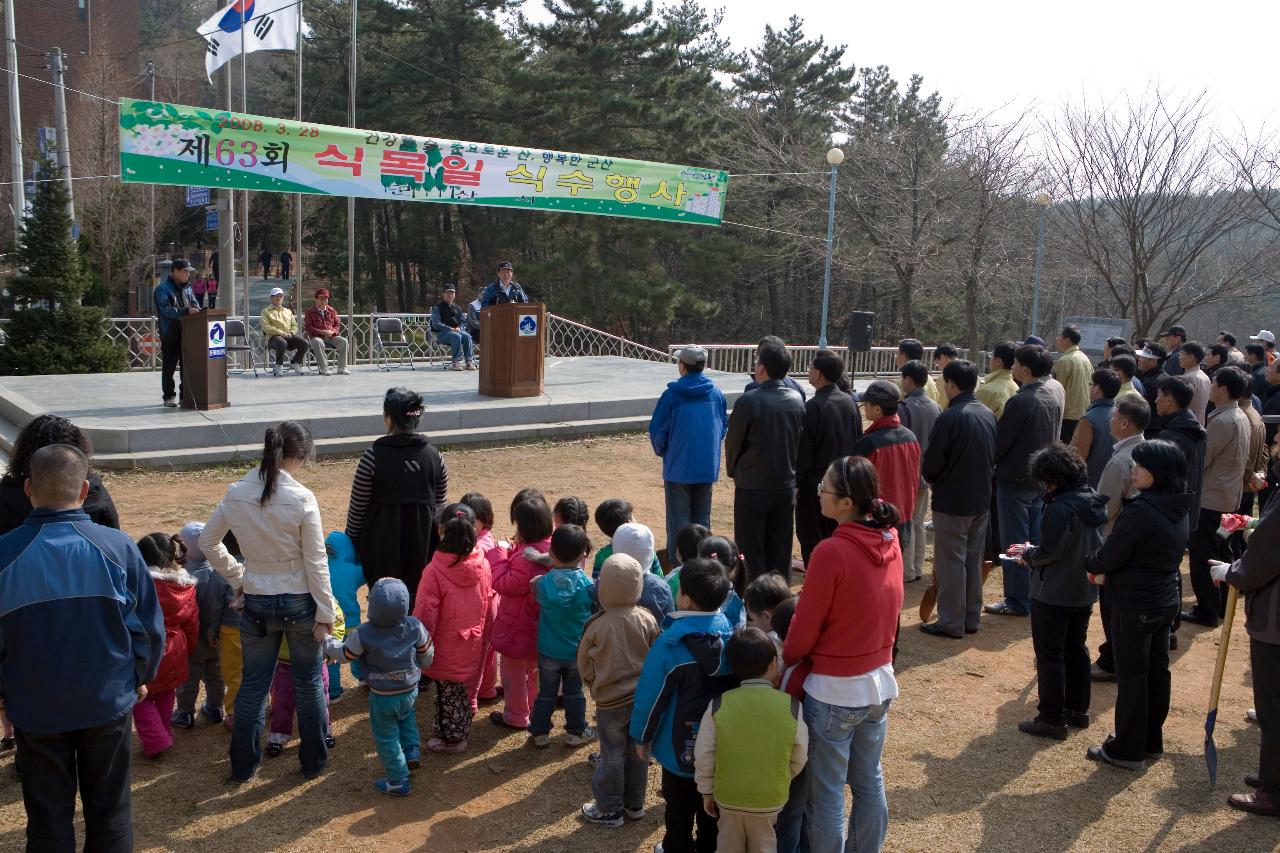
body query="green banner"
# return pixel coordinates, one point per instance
(190, 146)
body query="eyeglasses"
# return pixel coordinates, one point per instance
(822, 491)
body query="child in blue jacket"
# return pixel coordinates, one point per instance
(682, 673)
(345, 577)
(564, 606)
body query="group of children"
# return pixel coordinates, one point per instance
(682, 667)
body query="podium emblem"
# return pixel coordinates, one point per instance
(217, 340)
(528, 325)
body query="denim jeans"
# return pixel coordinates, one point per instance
(395, 731)
(551, 672)
(459, 344)
(686, 503)
(844, 749)
(621, 777)
(265, 622)
(1019, 519)
(790, 831)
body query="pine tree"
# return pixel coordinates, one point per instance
(50, 331)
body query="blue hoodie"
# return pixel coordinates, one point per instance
(80, 624)
(687, 429)
(681, 676)
(392, 645)
(345, 574)
(564, 602)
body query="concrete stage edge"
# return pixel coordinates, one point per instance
(129, 428)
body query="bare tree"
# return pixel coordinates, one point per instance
(1148, 200)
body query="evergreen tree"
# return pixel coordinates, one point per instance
(50, 331)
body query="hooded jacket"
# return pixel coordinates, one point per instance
(345, 574)
(515, 629)
(1070, 533)
(453, 604)
(687, 427)
(392, 646)
(1141, 557)
(564, 606)
(895, 453)
(1257, 575)
(680, 677)
(213, 593)
(616, 639)
(1184, 430)
(847, 615)
(176, 592)
(15, 506)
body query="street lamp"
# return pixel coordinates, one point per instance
(1043, 201)
(834, 157)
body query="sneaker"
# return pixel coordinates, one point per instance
(592, 814)
(1097, 673)
(1001, 608)
(935, 630)
(330, 742)
(449, 748)
(585, 736)
(299, 369)
(540, 741)
(1251, 715)
(275, 750)
(1039, 728)
(345, 372)
(1099, 753)
(457, 365)
(633, 814)
(183, 720)
(593, 760)
(394, 789)
(171, 402)
(471, 365)
(278, 370)
(213, 715)
(1078, 719)
(413, 758)
(497, 718)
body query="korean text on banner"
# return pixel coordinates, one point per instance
(185, 146)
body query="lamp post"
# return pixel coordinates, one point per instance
(834, 157)
(1043, 201)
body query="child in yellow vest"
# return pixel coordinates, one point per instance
(751, 742)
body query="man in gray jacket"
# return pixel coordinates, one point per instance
(918, 413)
(1030, 423)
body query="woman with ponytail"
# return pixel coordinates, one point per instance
(844, 626)
(287, 596)
(400, 486)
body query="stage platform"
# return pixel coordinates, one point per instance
(129, 427)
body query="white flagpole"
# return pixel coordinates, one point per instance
(351, 200)
(297, 199)
(244, 106)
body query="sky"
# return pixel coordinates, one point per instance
(997, 55)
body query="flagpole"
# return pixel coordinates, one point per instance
(297, 199)
(227, 231)
(244, 106)
(351, 200)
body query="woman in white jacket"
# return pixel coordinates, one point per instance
(285, 580)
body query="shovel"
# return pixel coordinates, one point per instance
(1211, 751)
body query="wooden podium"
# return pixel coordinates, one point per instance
(515, 345)
(204, 360)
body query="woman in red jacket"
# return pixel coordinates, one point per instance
(844, 625)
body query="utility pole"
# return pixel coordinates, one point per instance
(151, 192)
(15, 124)
(60, 119)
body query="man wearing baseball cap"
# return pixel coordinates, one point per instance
(281, 331)
(324, 331)
(893, 450)
(505, 289)
(686, 429)
(173, 298)
(1174, 338)
(449, 325)
(1268, 340)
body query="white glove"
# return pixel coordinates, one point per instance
(332, 648)
(1218, 570)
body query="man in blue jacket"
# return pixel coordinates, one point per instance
(81, 633)
(686, 429)
(174, 298)
(505, 289)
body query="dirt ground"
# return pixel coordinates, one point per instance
(960, 776)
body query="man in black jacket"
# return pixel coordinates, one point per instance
(957, 466)
(1029, 424)
(832, 424)
(1173, 396)
(760, 449)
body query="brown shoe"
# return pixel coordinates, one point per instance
(1260, 802)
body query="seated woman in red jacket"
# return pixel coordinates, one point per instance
(844, 624)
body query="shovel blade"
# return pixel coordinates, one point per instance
(1211, 751)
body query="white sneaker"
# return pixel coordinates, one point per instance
(587, 735)
(324, 371)
(278, 370)
(633, 814)
(1251, 715)
(298, 369)
(345, 372)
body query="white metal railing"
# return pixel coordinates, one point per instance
(878, 361)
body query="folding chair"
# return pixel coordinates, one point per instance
(237, 331)
(389, 337)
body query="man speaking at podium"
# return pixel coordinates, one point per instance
(504, 289)
(173, 298)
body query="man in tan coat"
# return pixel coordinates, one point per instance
(1073, 369)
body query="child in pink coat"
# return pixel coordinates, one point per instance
(515, 631)
(452, 602)
(483, 688)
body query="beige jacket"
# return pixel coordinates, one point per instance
(1226, 455)
(1257, 460)
(282, 541)
(1116, 484)
(616, 640)
(278, 321)
(1074, 370)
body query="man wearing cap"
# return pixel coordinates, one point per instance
(281, 331)
(324, 331)
(893, 450)
(1150, 363)
(505, 289)
(1268, 340)
(173, 298)
(686, 429)
(449, 324)
(1029, 424)
(1174, 338)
